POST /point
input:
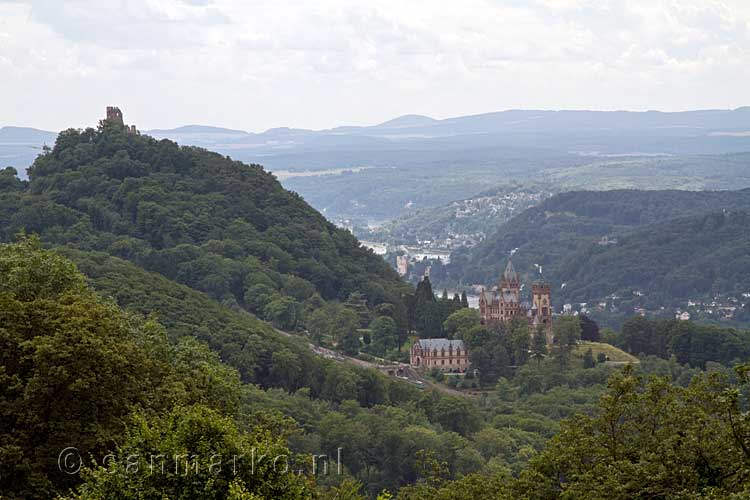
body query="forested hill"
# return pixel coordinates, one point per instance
(561, 232)
(196, 217)
(679, 259)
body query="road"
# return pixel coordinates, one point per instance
(390, 368)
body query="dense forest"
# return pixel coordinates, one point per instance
(678, 259)
(144, 293)
(79, 371)
(198, 218)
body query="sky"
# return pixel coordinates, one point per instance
(254, 65)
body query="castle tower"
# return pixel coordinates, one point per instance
(114, 115)
(541, 300)
(510, 293)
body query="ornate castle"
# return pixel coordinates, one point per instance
(504, 304)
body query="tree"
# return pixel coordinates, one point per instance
(567, 333)
(539, 344)
(589, 329)
(350, 343)
(285, 369)
(488, 354)
(427, 315)
(519, 340)
(638, 336)
(384, 334)
(319, 324)
(345, 323)
(464, 299)
(75, 366)
(283, 312)
(357, 303)
(650, 439)
(588, 359)
(459, 322)
(71, 368)
(196, 453)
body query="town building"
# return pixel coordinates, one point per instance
(505, 303)
(402, 264)
(444, 354)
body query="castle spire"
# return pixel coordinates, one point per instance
(510, 274)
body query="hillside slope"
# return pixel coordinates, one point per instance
(554, 232)
(675, 260)
(216, 225)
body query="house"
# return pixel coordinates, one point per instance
(444, 354)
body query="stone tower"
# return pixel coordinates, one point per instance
(510, 293)
(114, 115)
(541, 302)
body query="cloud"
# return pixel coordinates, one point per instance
(253, 64)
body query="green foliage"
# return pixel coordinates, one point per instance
(539, 344)
(691, 343)
(195, 453)
(488, 354)
(649, 438)
(588, 359)
(384, 335)
(520, 337)
(282, 313)
(74, 367)
(218, 226)
(460, 321)
(350, 343)
(567, 332)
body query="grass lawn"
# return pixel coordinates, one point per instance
(611, 351)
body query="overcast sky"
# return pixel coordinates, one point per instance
(317, 64)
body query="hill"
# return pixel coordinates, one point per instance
(655, 231)
(676, 260)
(198, 218)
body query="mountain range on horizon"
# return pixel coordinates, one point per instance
(494, 134)
(477, 123)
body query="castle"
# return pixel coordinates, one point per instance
(114, 116)
(505, 304)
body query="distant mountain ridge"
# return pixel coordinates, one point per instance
(416, 161)
(25, 135)
(513, 121)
